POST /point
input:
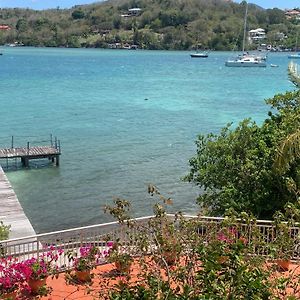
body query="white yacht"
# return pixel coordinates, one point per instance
(246, 59)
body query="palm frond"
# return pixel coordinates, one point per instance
(288, 152)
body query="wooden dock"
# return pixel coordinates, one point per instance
(11, 211)
(294, 73)
(52, 152)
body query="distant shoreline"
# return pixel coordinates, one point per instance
(138, 49)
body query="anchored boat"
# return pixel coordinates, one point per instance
(246, 59)
(199, 54)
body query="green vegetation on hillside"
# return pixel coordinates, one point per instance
(168, 24)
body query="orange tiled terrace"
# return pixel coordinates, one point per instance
(105, 277)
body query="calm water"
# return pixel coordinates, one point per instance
(125, 119)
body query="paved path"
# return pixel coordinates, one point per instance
(11, 211)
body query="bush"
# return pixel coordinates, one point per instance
(4, 231)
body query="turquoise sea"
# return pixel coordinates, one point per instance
(125, 119)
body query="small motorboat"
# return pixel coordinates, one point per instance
(274, 66)
(296, 55)
(199, 55)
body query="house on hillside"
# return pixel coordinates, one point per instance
(257, 35)
(132, 12)
(4, 27)
(293, 13)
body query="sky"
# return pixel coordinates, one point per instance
(44, 4)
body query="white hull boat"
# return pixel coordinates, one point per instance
(199, 55)
(246, 59)
(294, 56)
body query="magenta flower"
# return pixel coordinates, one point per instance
(228, 236)
(11, 277)
(43, 266)
(110, 244)
(87, 259)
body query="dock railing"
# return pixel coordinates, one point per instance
(72, 239)
(69, 240)
(27, 141)
(263, 230)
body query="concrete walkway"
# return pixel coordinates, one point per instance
(11, 211)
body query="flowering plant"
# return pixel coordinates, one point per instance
(43, 266)
(88, 258)
(230, 236)
(120, 257)
(11, 276)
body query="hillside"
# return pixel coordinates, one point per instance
(155, 24)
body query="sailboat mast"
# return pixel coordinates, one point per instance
(245, 27)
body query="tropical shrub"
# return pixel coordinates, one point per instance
(4, 235)
(237, 168)
(4, 231)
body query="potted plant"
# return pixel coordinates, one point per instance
(37, 270)
(11, 278)
(168, 243)
(283, 251)
(121, 258)
(85, 261)
(282, 247)
(170, 249)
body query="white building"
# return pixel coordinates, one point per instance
(257, 34)
(134, 11)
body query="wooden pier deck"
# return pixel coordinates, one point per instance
(27, 153)
(34, 152)
(11, 211)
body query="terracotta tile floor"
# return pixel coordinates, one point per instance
(104, 277)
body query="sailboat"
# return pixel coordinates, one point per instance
(295, 55)
(246, 59)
